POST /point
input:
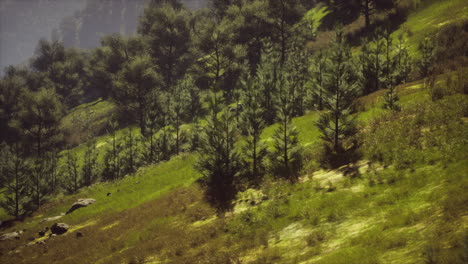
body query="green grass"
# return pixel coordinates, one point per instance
(429, 19)
(308, 132)
(97, 113)
(387, 215)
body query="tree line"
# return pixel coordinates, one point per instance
(239, 65)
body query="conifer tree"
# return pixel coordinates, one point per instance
(390, 97)
(218, 158)
(427, 55)
(150, 145)
(337, 126)
(286, 155)
(179, 107)
(254, 151)
(90, 169)
(130, 154)
(72, 176)
(14, 173)
(39, 120)
(297, 67)
(112, 158)
(267, 75)
(133, 87)
(402, 60)
(164, 140)
(318, 70)
(371, 60)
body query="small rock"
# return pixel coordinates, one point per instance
(41, 233)
(109, 194)
(59, 228)
(81, 203)
(10, 236)
(51, 218)
(79, 234)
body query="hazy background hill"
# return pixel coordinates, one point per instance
(78, 23)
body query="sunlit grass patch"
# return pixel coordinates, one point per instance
(429, 18)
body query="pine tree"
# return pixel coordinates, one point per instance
(14, 171)
(267, 75)
(179, 107)
(286, 157)
(254, 151)
(337, 126)
(130, 159)
(164, 138)
(372, 60)
(218, 158)
(297, 67)
(90, 169)
(112, 158)
(402, 60)
(426, 62)
(133, 87)
(43, 176)
(390, 97)
(318, 70)
(150, 150)
(39, 119)
(72, 176)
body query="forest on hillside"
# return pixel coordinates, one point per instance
(211, 81)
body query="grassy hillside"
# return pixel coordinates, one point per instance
(428, 19)
(158, 215)
(404, 201)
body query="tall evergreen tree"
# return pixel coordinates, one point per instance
(218, 158)
(402, 60)
(254, 151)
(133, 87)
(425, 63)
(130, 155)
(371, 61)
(297, 67)
(38, 120)
(41, 180)
(318, 70)
(337, 125)
(283, 15)
(112, 158)
(90, 169)
(71, 172)
(286, 157)
(150, 150)
(167, 29)
(14, 169)
(179, 107)
(12, 87)
(268, 75)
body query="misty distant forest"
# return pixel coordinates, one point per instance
(234, 131)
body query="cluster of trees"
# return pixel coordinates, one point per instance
(246, 59)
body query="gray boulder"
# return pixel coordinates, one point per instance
(81, 203)
(59, 228)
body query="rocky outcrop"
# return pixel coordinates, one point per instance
(59, 228)
(81, 203)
